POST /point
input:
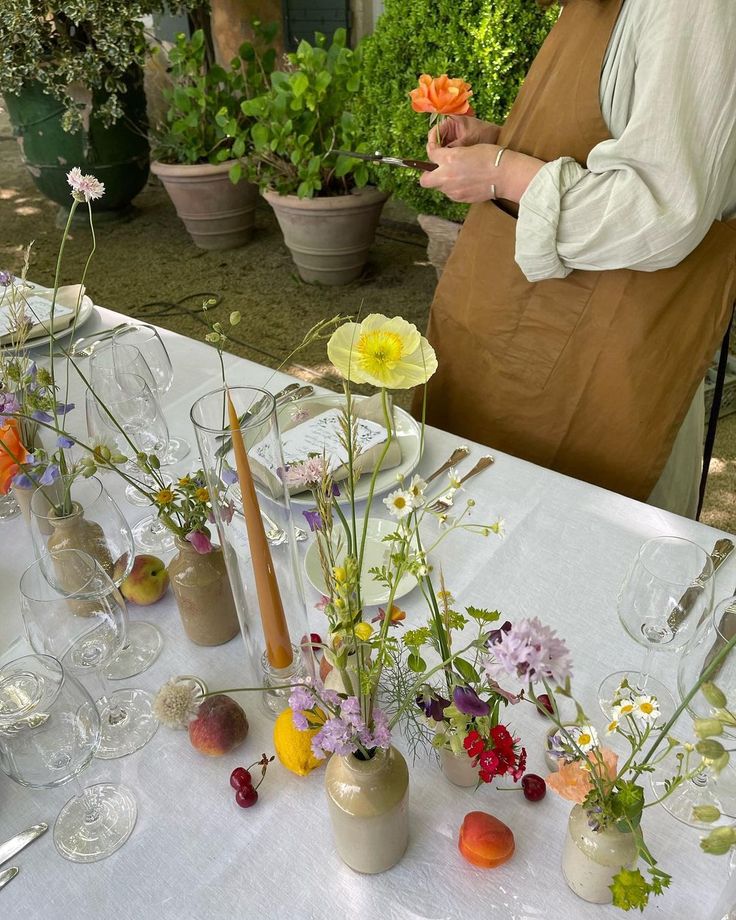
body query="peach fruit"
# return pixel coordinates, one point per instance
(485, 841)
(220, 726)
(147, 582)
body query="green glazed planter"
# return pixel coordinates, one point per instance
(117, 155)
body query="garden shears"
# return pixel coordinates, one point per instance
(377, 157)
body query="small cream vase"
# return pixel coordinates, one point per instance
(369, 809)
(591, 858)
(458, 768)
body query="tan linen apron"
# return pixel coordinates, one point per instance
(590, 375)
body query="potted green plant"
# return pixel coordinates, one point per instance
(327, 212)
(72, 81)
(486, 43)
(205, 132)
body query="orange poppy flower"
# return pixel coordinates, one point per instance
(12, 452)
(442, 96)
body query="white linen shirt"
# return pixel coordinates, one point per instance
(649, 195)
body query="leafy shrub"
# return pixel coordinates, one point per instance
(489, 43)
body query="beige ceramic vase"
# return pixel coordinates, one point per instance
(203, 595)
(458, 768)
(369, 809)
(591, 858)
(24, 495)
(74, 531)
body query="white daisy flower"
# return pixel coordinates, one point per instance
(84, 188)
(399, 503)
(416, 490)
(624, 708)
(587, 739)
(646, 709)
(612, 727)
(454, 478)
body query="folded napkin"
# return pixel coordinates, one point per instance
(34, 305)
(309, 430)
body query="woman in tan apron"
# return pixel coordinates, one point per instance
(588, 365)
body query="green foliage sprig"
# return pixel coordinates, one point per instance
(488, 43)
(66, 45)
(205, 122)
(305, 115)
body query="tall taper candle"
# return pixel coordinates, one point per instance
(275, 629)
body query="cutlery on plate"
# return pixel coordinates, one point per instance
(8, 875)
(17, 843)
(455, 457)
(720, 552)
(277, 535)
(444, 502)
(289, 394)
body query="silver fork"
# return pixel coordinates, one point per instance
(455, 457)
(277, 535)
(443, 504)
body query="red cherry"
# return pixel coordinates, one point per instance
(534, 787)
(547, 703)
(246, 797)
(240, 777)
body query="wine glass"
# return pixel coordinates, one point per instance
(73, 611)
(666, 592)
(49, 733)
(714, 633)
(150, 344)
(96, 526)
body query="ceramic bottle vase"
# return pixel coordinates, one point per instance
(203, 595)
(591, 858)
(74, 531)
(458, 768)
(369, 809)
(24, 495)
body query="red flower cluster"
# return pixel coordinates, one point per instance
(497, 755)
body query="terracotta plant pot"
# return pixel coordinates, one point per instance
(216, 213)
(369, 809)
(329, 238)
(442, 235)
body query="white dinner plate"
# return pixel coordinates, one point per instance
(86, 309)
(376, 554)
(408, 433)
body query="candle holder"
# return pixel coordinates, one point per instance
(241, 463)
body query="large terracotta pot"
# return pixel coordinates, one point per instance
(591, 858)
(329, 238)
(369, 809)
(216, 213)
(117, 155)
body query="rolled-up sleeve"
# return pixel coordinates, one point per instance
(647, 197)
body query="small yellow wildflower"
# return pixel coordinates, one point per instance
(202, 494)
(164, 497)
(340, 574)
(185, 481)
(363, 631)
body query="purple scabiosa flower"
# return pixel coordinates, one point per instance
(50, 475)
(64, 442)
(84, 188)
(301, 700)
(335, 737)
(314, 519)
(529, 651)
(469, 703)
(432, 705)
(381, 734)
(200, 541)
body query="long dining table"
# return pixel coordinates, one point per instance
(195, 855)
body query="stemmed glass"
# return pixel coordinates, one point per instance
(49, 733)
(73, 611)
(714, 632)
(97, 526)
(666, 592)
(138, 413)
(149, 343)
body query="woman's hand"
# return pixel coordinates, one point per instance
(466, 174)
(464, 131)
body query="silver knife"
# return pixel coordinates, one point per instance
(721, 551)
(16, 844)
(8, 875)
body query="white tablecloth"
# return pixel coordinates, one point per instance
(195, 854)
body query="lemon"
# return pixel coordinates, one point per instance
(294, 747)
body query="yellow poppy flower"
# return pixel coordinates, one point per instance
(382, 351)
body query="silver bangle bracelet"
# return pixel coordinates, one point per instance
(496, 164)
